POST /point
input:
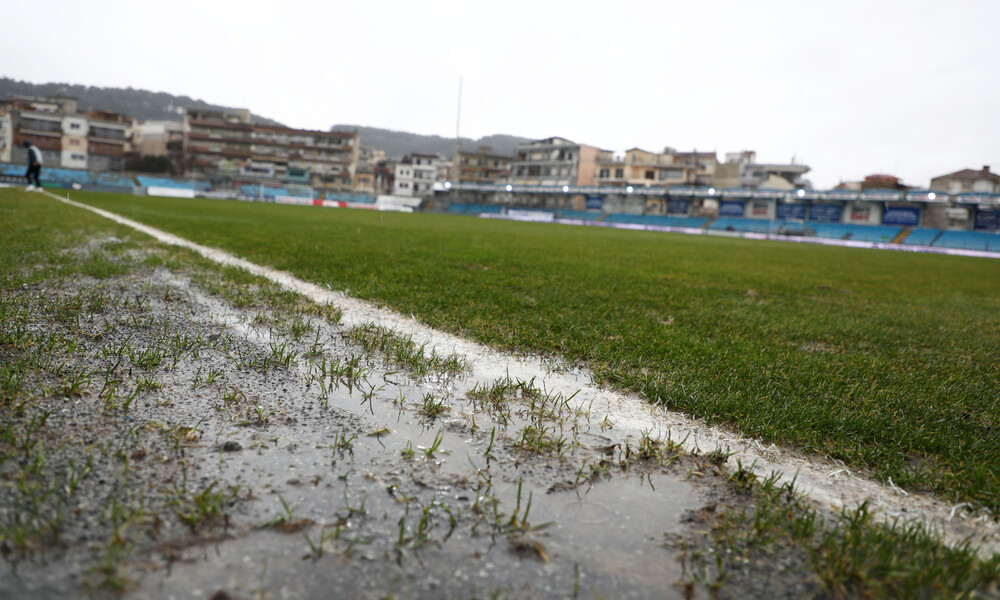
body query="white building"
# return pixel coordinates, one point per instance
(74, 141)
(6, 137)
(415, 175)
(967, 181)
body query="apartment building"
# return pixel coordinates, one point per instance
(641, 168)
(6, 136)
(968, 181)
(228, 149)
(482, 166)
(159, 138)
(95, 140)
(555, 161)
(741, 169)
(107, 140)
(415, 175)
(703, 164)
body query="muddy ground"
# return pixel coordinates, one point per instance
(183, 433)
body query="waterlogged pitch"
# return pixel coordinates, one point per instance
(889, 361)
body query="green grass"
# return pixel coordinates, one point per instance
(889, 361)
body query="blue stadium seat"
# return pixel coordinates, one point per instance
(744, 225)
(872, 233)
(921, 236)
(579, 215)
(166, 182)
(969, 240)
(657, 220)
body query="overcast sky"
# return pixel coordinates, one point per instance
(848, 87)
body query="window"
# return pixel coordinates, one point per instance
(619, 173)
(671, 174)
(649, 175)
(547, 171)
(604, 173)
(78, 156)
(534, 171)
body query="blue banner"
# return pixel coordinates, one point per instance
(791, 211)
(825, 213)
(907, 216)
(595, 203)
(678, 206)
(988, 220)
(731, 208)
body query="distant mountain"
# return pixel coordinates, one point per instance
(140, 104)
(397, 144)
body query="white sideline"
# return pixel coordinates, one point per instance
(824, 481)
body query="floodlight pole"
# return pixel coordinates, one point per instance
(457, 174)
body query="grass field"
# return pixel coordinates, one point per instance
(889, 361)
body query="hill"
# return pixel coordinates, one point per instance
(399, 143)
(141, 104)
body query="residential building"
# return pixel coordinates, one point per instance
(159, 138)
(483, 166)
(107, 140)
(6, 136)
(880, 181)
(415, 175)
(367, 154)
(443, 170)
(741, 169)
(95, 140)
(39, 121)
(640, 167)
(703, 163)
(75, 143)
(968, 181)
(555, 161)
(228, 149)
(364, 179)
(385, 177)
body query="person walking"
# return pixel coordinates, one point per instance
(34, 167)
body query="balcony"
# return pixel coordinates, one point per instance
(99, 149)
(40, 126)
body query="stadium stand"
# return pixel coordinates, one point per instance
(166, 182)
(474, 209)
(657, 220)
(744, 225)
(922, 236)
(862, 233)
(351, 198)
(57, 177)
(872, 233)
(579, 215)
(969, 240)
(264, 192)
(113, 180)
